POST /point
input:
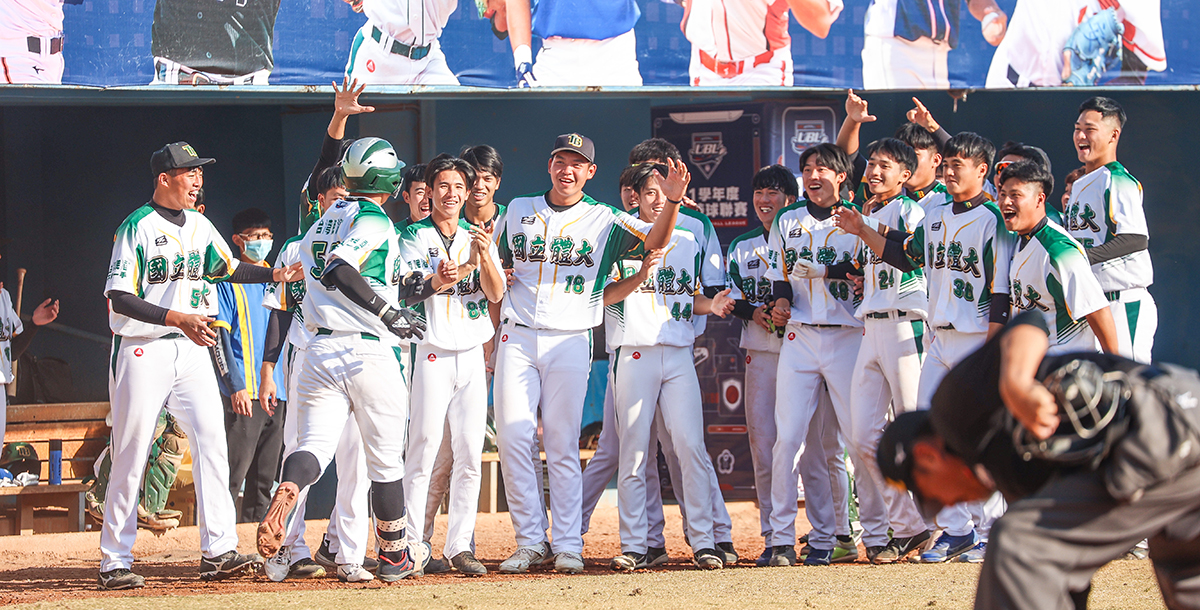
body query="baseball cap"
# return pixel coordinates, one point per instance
(576, 143)
(895, 455)
(178, 155)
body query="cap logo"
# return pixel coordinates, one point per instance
(187, 148)
(575, 140)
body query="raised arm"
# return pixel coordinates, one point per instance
(817, 16)
(856, 115)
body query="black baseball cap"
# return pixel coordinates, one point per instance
(179, 155)
(576, 143)
(895, 455)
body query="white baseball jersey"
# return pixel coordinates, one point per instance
(10, 326)
(288, 296)
(659, 312)
(412, 22)
(21, 18)
(360, 233)
(736, 30)
(1104, 204)
(712, 264)
(749, 259)
(1050, 273)
(166, 265)
(886, 288)
(966, 259)
(561, 260)
(458, 319)
(797, 234)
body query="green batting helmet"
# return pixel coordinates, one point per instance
(20, 457)
(372, 167)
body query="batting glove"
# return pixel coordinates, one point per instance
(403, 323)
(804, 270)
(525, 78)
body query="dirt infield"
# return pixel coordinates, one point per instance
(59, 570)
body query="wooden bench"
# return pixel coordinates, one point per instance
(84, 434)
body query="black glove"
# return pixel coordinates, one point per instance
(402, 322)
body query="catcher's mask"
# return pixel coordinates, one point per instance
(1091, 404)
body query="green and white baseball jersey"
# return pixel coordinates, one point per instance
(167, 265)
(456, 319)
(921, 196)
(561, 260)
(886, 288)
(358, 232)
(10, 326)
(659, 312)
(287, 296)
(1050, 273)
(749, 258)
(797, 234)
(1104, 204)
(966, 259)
(712, 269)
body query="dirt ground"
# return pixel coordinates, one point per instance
(59, 570)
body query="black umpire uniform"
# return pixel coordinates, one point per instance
(1075, 503)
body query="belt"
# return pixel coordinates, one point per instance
(189, 76)
(730, 69)
(824, 325)
(399, 48)
(886, 315)
(35, 44)
(367, 336)
(1113, 296)
(946, 327)
(1014, 77)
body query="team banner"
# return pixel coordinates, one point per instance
(862, 44)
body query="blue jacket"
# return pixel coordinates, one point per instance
(241, 305)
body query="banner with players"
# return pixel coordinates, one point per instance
(861, 44)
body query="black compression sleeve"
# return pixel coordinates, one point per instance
(21, 342)
(841, 270)
(346, 279)
(1126, 243)
(127, 304)
(942, 136)
(1031, 318)
(277, 328)
(895, 234)
(744, 309)
(1000, 309)
(893, 254)
(782, 290)
(859, 168)
(251, 274)
(711, 291)
(330, 148)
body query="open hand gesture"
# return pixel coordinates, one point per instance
(345, 98)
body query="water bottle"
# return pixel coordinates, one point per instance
(56, 462)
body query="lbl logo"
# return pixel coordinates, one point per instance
(807, 133)
(707, 152)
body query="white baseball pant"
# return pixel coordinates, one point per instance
(660, 383)
(371, 62)
(350, 520)
(1136, 316)
(19, 66)
(895, 63)
(144, 374)
(722, 525)
(578, 62)
(809, 356)
(439, 482)
(448, 390)
(823, 472)
(546, 368)
(761, 368)
(774, 73)
(887, 372)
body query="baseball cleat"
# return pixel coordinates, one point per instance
(628, 562)
(119, 580)
(731, 556)
(408, 565)
(708, 559)
(437, 566)
(466, 563)
(899, 548)
(568, 562)
(948, 547)
(353, 572)
(846, 550)
(764, 559)
(326, 558)
(656, 556)
(782, 556)
(270, 531)
(278, 566)
(524, 557)
(975, 555)
(818, 557)
(228, 564)
(305, 568)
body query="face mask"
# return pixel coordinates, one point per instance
(258, 249)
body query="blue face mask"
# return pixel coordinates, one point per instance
(258, 249)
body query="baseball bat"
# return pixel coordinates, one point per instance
(11, 390)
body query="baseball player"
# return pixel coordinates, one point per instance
(163, 259)
(352, 368)
(1050, 272)
(647, 321)
(1037, 48)
(888, 368)
(228, 43)
(14, 340)
(398, 45)
(1105, 214)
(965, 252)
(415, 194)
(31, 41)
(584, 43)
(816, 303)
(907, 43)
(746, 44)
(561, 245)
(449, 388)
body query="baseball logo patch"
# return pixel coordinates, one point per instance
(161, 240)
(504, 338)
(637, 355)
(370, 65)
(138, 352)
(432, 357)
(747, 359)
(791, 336)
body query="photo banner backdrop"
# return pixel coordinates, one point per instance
(861, 44)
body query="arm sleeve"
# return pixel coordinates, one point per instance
(1118, 246)
(894, 254)
(842, 270)
(999, 309)
(277, 330)
(330, 148)
(347, 279)
(252, 274)
(782, 290)
(941, 136)
(129, 305)
(21, 342)
(744, 309)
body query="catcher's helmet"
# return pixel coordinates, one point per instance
(20, 457)
(372, 167)
(1090, 405)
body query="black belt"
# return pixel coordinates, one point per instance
(399, 48)
(824, 325)
(367, 336)
(886, 316)
(35, 45)
(1014, 77)
(946, 327)
(1113, 296)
